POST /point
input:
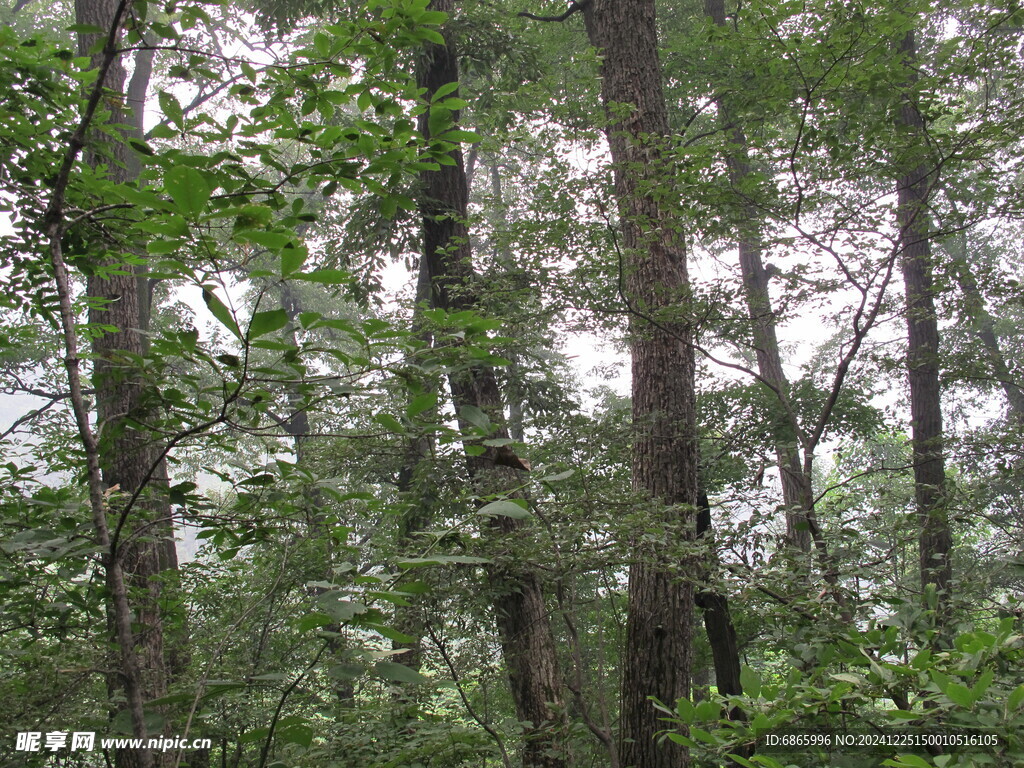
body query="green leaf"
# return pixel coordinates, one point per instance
(398, 673)
(433, 17)
(684, 708)
(419, 562)
(340, 608)
(292, 260)
(263, 323)
(421, 403)
(846, 677)
(257, 734)
(984, 681)
(389, 422)
(908, 761)
(296, 734)
(275, 241)
(678, 738)
(750, 681)
(959, 694)
(922, 659)
(345, 671)
(432, 35)
(475, 416)
(902, 714)
(390, 633)
(170, 106)
(313, 621)
(325, 276)
(458, 135)
(159, 247)
(189, 190)
(444, 90)
(1015, 699)
(141, 147)
(271, 677)
(707, 710)
(562, 476)
(739, 760)
(323, 44)
(221, 312)
(505, 508)
(703, 735)
(439, 120)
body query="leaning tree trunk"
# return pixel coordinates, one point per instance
(796, 483)
(518, 597)
(657, 658)
(984, 327)
(141, 541)
(935, 538)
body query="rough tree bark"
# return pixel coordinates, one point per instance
(137, 536)
(935, 538)
(658, 652)
(141, 540)
(518, 596)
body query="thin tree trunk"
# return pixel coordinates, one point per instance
(419, 498)
(658, 651)
(514, 389)
(296, 425)
(796, 484)
(935, 538)
(518, 597)
(984, 327)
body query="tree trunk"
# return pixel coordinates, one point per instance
(414, 489)
(658, 650)
(984, 326)
(296, 425)
(518, 596)
(717, 619)
(141, 542)
(796, 484)
(935, 538)
(515, 393)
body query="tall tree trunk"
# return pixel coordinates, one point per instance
(717, 618)
(519, 606)
(658, 652)
(796, 483)
(515, 393)
(413, 491)
(142, 540)
(984, 327)
(935, 538)
(296, 425)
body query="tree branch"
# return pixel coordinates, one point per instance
(575, 7)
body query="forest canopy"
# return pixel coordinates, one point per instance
(422, 384)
